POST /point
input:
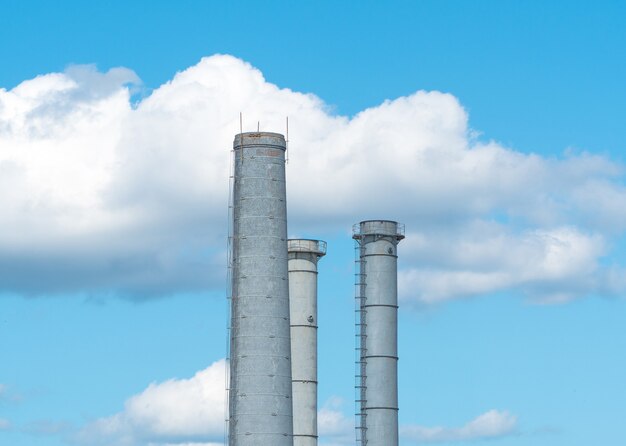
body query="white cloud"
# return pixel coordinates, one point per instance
(491, 424)
(100, 196)
(334, 428)
(181, 412)
(190, 412)
(4, 424)
(337, 429)
(485, 257)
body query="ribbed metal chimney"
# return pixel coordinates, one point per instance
(303, 258)
(260, 405)
(377, 332)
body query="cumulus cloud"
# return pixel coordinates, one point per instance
(101, 195)
(177, 412)
(185, 412)
(552, 264)
(191, 412)
(491, 424)
(334, 428)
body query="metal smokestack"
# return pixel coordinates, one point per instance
(260, 406)
(377, 332)
(303, 258)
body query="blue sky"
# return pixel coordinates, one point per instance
(506, 168)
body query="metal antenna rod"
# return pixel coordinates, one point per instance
(241, 133)
(287, 141)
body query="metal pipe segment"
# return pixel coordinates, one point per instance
(303, 258)
(378, 240)
(260, 404)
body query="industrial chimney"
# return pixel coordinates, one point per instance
(303, 258)
(260, 405)
(377, 332)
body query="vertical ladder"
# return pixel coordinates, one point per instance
(360, 384)
(229, 292)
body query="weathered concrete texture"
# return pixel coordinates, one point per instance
(260, 398)
(378, 240)
(303, 258)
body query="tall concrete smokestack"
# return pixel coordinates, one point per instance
(303, 258)
(377, 332)
(260, 406)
